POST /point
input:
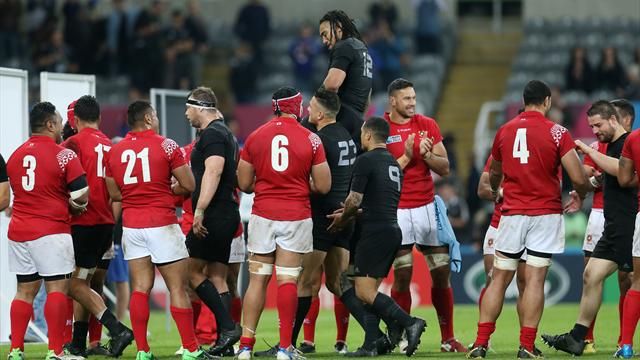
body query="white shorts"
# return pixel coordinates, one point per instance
(636, 238)
(488, 246)
(238, 250)
(418, 225)
(164, 244)
(595, 228)
(109, 254)
(49, 255)
(264, 234)
(542, 233)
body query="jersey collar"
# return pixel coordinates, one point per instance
(142, 133)
(286, 119)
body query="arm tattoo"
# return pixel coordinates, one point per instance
(351, 204)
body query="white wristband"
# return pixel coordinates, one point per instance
(198, 212)
(594, 182)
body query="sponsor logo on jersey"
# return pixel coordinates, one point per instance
(394, 139)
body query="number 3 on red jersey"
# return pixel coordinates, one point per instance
(520, 150)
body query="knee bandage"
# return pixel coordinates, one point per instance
(437, 260)
(84, 273)
(403, 261)
(537, 261)
(505, 263)
(293, 272)
(260, 268)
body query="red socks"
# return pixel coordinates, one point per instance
(528, 337)
(287, 307)
(481, 296)
(21, 312)
(196, 306)
(55, 313)
(484, 333)
(236, 309)
(206, 328)
(184, 321)
(309, 322)
(342, 319)
(621, 302)
(631, 316)
(68, 326)
(95, 330)
(403, 299)
(139, 313)
(442, 300)
(247, 342)
(589, 336)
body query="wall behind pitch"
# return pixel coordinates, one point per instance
(13, 132)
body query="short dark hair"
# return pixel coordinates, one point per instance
(40, 114)
(204, 93)
(625, 108)
(329, 100)
(340, 19)
(604, 109)
(378, 127)
(136, 112)
(87, 109)
(535, 92)
(398, 84)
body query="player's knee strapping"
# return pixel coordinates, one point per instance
(538, 261)
(288, 272)
(260, 268)
(403, 261)
(437, 260)
(505, 263)
(84, 273)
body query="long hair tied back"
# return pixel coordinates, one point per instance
(338, 18)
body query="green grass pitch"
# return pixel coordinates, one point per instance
(556, 319)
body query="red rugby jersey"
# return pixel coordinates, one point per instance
(417, 186)
(497, 213)
(39, 173)
(530, 148)
(282, 153)
(141, 165)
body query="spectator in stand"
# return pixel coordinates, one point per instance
(457, 210)
(52, 54)
(303, 51)
(244, 74)
(391, 52)
(632, 90)
(253, 26)
(119, 35)
(579, 74)
(197, 29)
(78, 36)
(610, 73)
(147, 60)
(10, 42)
(178, 53)
(384, 10)
(429, 27)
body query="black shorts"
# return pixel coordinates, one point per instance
(376, 249)
(323, 240)
(90, 243)
(216, 246)
(616, 245)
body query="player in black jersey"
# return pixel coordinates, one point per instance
(376, 182)
(214, 161)
(350, 69)
(4, 185)
(614, 249)
(328, 248)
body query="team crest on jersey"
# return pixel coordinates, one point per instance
(169, 146)
(556, 133)
(315, 142)
(394, 139)
(64, 156)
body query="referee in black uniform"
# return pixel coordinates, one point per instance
(214, 161)
(376, 182)
(4, 185)
(350, 69)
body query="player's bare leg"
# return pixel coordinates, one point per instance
(123, 296)
(309, 277)
(142, 277)
(521, 282)
(232, 284)
(533, 296)
(21, 311)
(402, 272)
(95, 327)
(336, 263)
(631, 315)
(260, 271)
(596, 271)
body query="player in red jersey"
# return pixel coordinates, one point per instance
(628, 167)
(47, 182)
(277, 161)
(139, 174)
(91, 231)
(416, 142)
(527, 151)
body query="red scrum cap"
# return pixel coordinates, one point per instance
(288, 105)
(71, 115)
